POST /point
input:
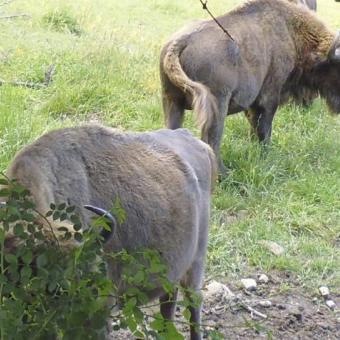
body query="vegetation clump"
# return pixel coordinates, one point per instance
(61, 20)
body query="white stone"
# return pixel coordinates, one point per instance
(331, 304)
(215, 288)
(324, 291)
(249, 284)
(274, 247)
(263, 278)
(265, 303)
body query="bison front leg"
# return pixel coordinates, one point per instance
(193, 287)
(168, 305)
(261, 120)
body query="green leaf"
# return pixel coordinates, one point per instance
(28, 217)
(74, 219)
(41, 260)
(25, 272)
(187, 314)
(63, 216)
(27, 257)
(56, 215)
(52, 206)
(28, 205)
(18, 230)
(78, 237)
(4, 192)
(11, 259)
(77, 227)
(52, 286)
(61, 206)
(70, 209)
(3, 181)
(3, 279)
(158, 324)
(131, 323)
(49, 213)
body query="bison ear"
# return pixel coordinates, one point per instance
(334, 52)
(106, 234)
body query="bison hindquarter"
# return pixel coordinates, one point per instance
(163, 180)
(281, 50)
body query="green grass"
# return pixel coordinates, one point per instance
(107, 70)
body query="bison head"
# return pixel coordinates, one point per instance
(327, 76)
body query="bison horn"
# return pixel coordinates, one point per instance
(334, 53)
(101, 212)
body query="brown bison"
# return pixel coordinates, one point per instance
(163, 180)
(279, 50)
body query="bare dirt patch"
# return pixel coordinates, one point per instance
(291, 314)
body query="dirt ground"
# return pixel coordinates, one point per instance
(289, 314)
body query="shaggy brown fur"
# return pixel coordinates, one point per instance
(278, 52)
(163, 180)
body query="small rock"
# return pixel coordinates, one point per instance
(265, 303)
(324, 291)
(330, 304)
(249, 284)
(263, 278)
(281, 307)
(297, 313)
(275, 248)
(214, 289)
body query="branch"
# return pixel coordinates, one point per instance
(49, 225)
(49, 74)
(253, 311)
(205, 7)
(12, 16)
(47, 81)
(23, 83)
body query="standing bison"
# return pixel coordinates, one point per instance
(280, 50)
(163, 180)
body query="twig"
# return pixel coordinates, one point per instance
(12, 16)
(49, 225)
(49, 74)
(252, 311)
(205, 7)
(22, 83)
(47, 81)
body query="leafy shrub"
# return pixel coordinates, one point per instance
(49, 292)
(61, 20)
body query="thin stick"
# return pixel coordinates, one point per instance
(23, 84)
(205, 7)
(254, 311)
(48, 79)
(12, 16)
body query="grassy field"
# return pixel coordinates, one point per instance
(107, 70)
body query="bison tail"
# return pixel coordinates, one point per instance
(204, 103)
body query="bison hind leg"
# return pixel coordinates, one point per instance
(173, 112)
